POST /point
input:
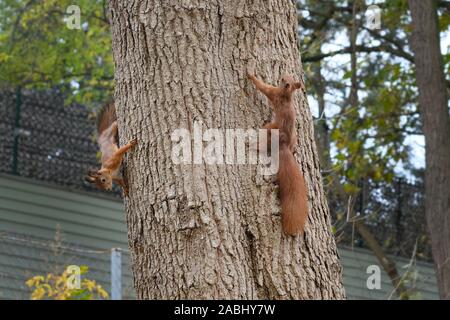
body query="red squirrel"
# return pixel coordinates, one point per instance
(293, 194)
(108, 140)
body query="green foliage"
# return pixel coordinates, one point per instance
(367, 142)
(370, 140)
(39, 50)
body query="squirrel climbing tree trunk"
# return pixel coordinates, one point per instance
(200, 231)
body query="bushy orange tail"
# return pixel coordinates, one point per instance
(106, 117)
(293, 196)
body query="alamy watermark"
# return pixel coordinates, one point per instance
(227, 147)
(373, 17)
(374, 280)
(73, 17)
(74, 277)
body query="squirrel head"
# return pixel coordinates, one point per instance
(101, 178)
(288, 84)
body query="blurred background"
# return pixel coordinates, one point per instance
(56, 71)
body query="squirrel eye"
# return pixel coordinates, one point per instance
(103, 180)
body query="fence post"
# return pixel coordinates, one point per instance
(116, 274)
(17, 131)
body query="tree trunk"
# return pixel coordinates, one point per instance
(433, 101)
(200, 231)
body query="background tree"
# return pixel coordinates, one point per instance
(371, 143)
(359, 155)
(198, 231)
(433, 101)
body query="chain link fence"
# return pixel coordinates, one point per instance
(393, 212)
(43, 138)
(23, 257)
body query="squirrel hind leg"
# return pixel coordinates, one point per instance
(267, 144)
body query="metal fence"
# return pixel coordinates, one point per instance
(23, 257)
(43, 138)
(395, 215)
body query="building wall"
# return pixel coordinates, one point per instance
(355, 262)
(86, 228)
(36, 208)
(43, 227)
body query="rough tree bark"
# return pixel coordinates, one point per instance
(433, 102)
(202, 231)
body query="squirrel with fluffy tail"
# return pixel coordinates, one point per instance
(292, 189)
(108, 140)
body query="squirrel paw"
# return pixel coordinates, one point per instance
(133, 142)
(250, 76)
